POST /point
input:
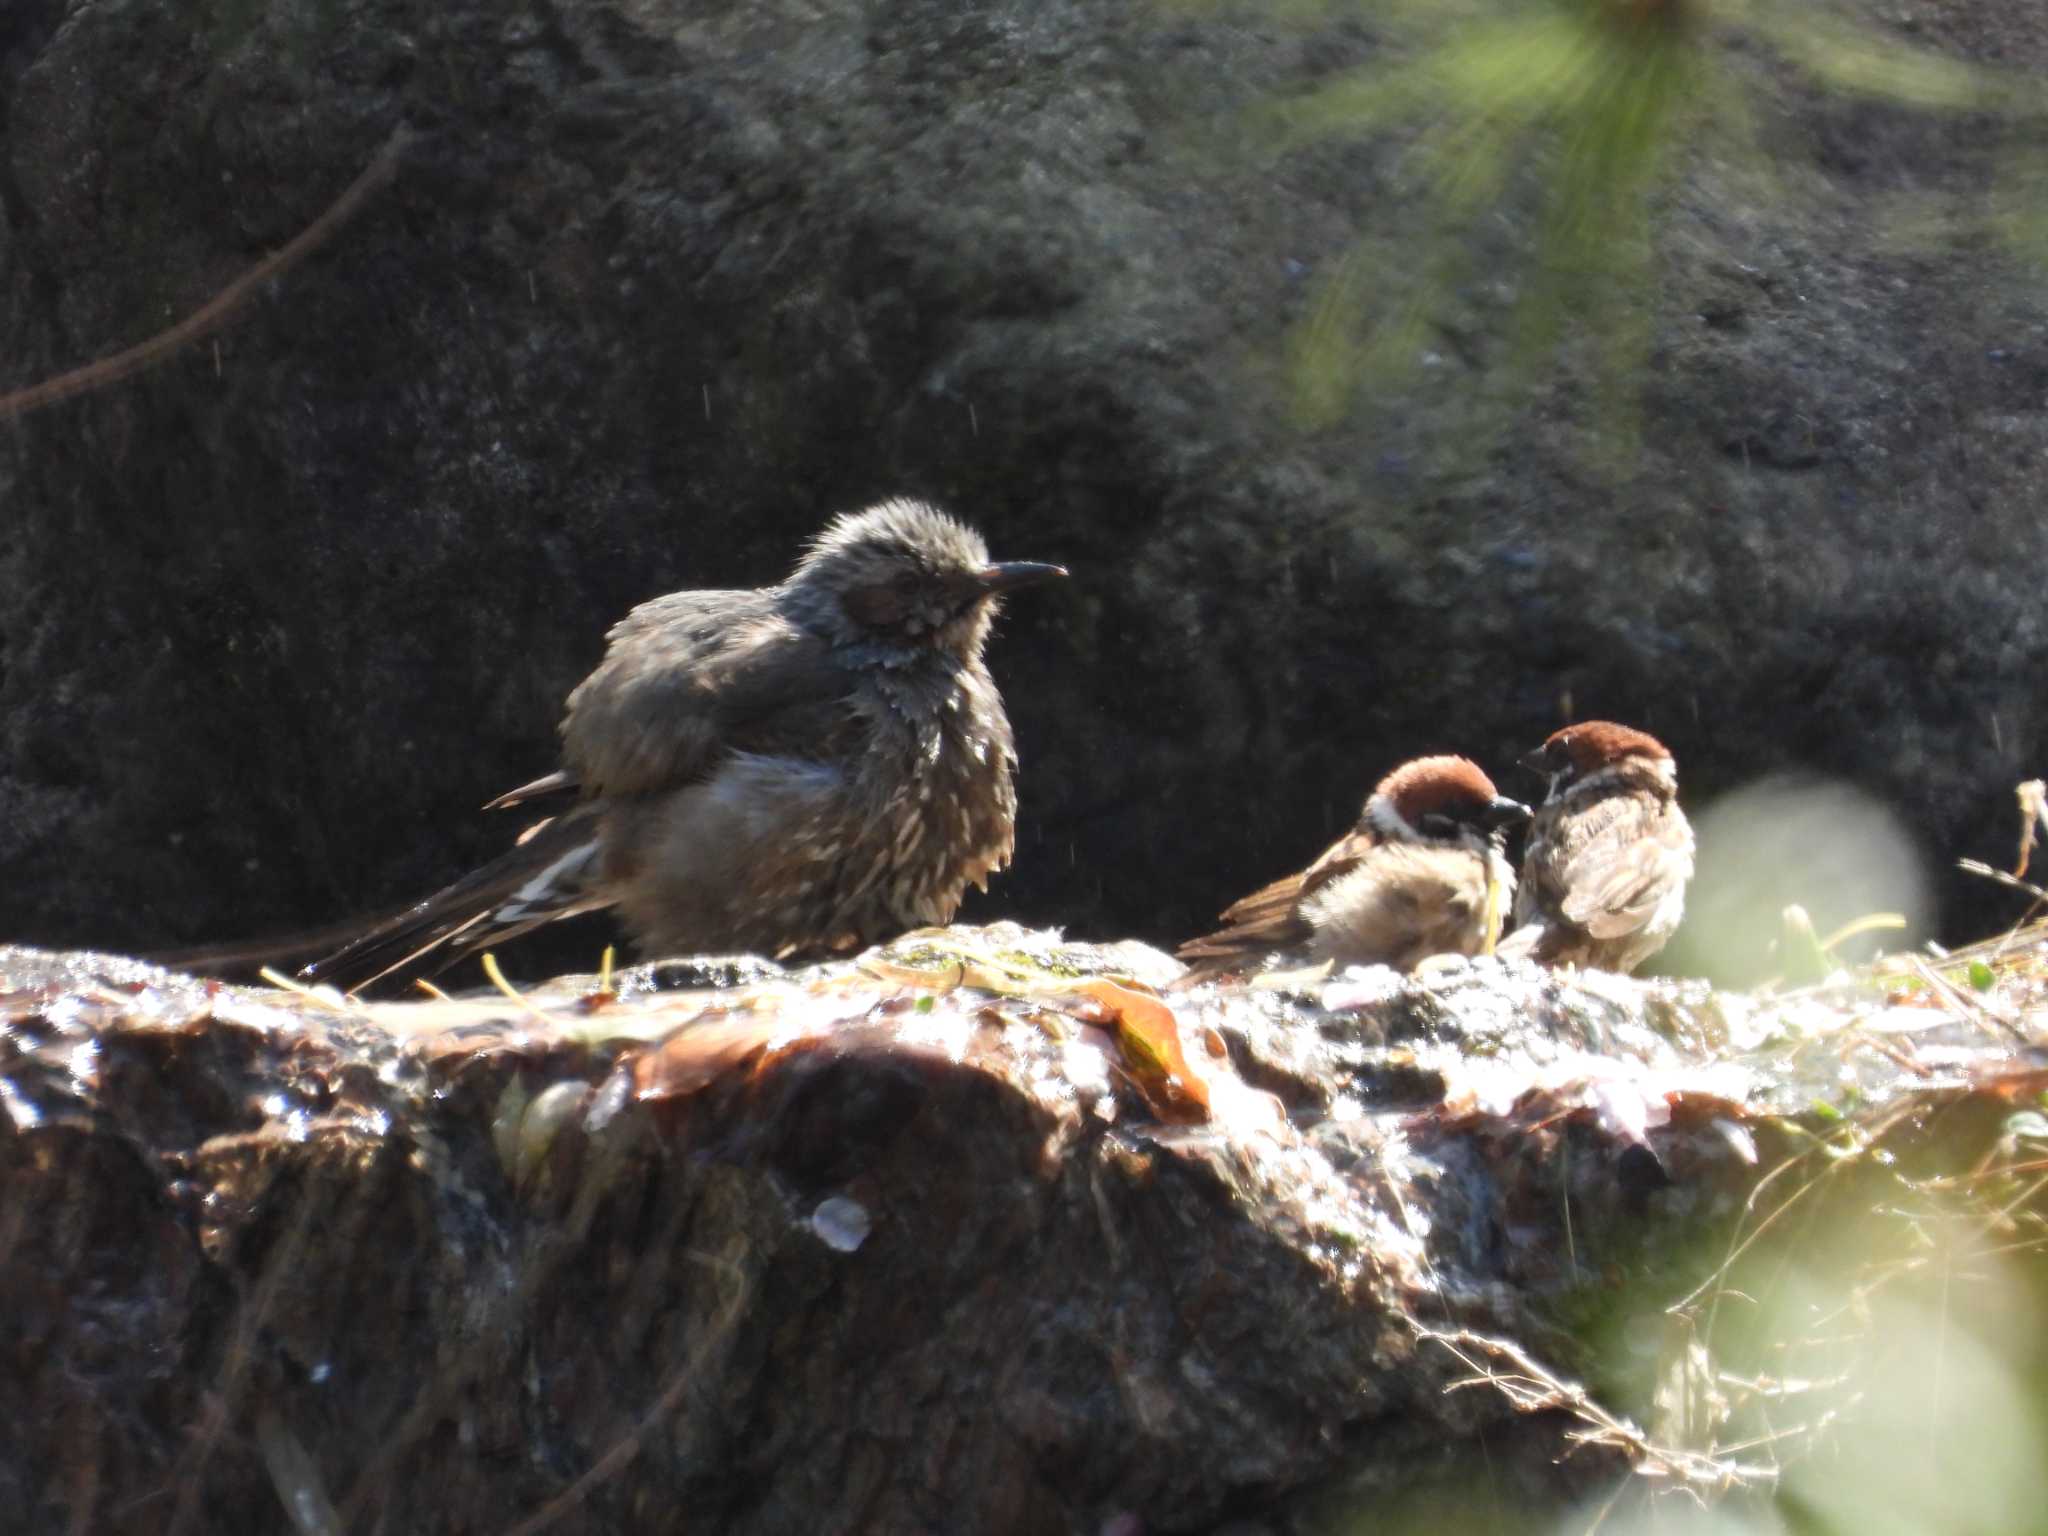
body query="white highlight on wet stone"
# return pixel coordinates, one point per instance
(841, 1224)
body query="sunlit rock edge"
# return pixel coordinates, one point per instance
(927, 1224)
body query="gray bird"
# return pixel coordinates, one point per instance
(796, 770)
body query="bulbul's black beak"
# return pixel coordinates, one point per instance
(1005, 574)
(1504, 812)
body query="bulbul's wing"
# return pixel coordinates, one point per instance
(692, 677)
(560, 782)
(1610, 865)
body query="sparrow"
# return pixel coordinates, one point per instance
(1608, 855)
(792, 770)
(1422, 873)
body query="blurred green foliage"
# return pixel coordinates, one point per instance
(1579, 111)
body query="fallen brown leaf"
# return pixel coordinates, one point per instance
(1148, 1040)
(700, 1053)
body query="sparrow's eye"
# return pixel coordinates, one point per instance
(1436, 824)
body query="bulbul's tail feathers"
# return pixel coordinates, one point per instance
(244, 957)
(547, 876)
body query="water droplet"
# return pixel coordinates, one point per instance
(841, 1224)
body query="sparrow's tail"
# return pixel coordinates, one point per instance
(550, 874)
(1262, 924)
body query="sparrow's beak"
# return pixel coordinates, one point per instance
(1504, 812)
(1538, 762)
(1005, 574)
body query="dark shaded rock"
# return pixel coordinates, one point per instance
(923, 1268)
(842, 1250)
(660, 286)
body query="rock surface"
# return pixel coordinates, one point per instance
(929, 1241)
(661, 285)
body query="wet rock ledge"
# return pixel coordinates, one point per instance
(980, 1232)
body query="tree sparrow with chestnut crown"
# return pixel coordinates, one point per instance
(1609, 854)
(1412, 879)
